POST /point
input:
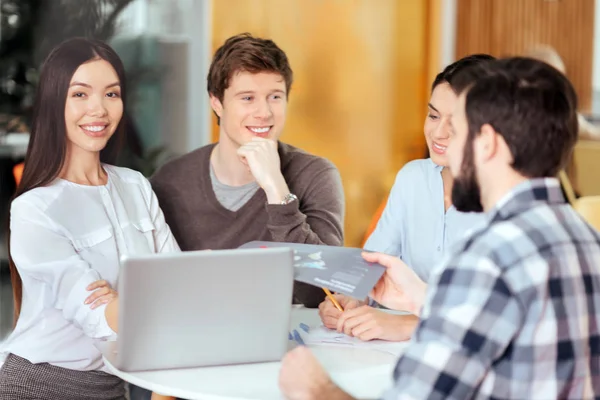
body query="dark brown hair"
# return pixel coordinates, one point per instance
(244, 52)
(47, 148)
(452, 70)
(530, 104)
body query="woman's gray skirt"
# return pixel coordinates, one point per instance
(22, 380)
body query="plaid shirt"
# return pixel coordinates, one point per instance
(513, 312)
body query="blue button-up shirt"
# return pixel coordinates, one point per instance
(415, 225)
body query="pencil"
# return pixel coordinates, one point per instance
(333, 300)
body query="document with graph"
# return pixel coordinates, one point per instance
(339, 269)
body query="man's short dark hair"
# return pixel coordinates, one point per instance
(245, 52)
(448, 74)
(531, 104)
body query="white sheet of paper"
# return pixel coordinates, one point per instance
(321, 336)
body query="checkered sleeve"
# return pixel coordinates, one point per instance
(468, 322)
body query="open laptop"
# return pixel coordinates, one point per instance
(203, 308)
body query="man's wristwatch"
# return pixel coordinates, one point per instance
(289, 198)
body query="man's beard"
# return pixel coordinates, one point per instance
(466, 194)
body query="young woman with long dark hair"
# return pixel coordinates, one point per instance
(419, 223)
(73, 216)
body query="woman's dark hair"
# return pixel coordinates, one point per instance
(459, 68)
(448, 74)
(47, 148)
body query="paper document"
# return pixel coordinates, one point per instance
(321, 336)
(339, 269)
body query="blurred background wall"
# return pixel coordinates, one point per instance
(509, 27)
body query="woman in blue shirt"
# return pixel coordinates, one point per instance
(419, 222)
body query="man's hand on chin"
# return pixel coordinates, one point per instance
(303, 378)
(262, 159)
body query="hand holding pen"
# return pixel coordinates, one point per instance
(330, 313)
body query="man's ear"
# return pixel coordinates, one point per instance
(216, 105)
(486, 143)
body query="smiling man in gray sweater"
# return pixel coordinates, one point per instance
(249, 186)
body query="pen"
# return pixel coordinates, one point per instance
(298, 338)
(333, 300)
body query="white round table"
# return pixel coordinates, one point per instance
(364, 373)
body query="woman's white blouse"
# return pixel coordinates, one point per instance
(65, 236)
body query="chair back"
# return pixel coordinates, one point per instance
(587, 163)
(567, 187)
(589, 208)
(18, 172)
